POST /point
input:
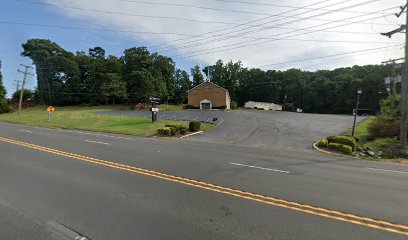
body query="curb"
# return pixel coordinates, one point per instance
(331, 153)
(191, 134)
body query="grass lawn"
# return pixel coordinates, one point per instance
(84, 119)
(361, 130)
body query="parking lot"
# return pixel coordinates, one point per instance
(259, 128)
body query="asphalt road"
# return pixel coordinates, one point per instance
(195, 192)
(259, 128)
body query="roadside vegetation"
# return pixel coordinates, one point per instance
(93, 78)
(379, 136)
(375, 138)
(4, 107)
(84, 118)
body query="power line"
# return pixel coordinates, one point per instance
(286, 23)
(227, 10)
(146, 32)
(250, 43)
(236, 26)
(276, 39)
(329, 56)
(157, 17)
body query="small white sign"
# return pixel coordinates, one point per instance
(155, 109)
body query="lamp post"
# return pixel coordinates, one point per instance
(355, 112)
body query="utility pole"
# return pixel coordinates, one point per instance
(26, 73)
(17, 83)
(404, 81)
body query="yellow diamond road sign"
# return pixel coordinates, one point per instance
(50, 109)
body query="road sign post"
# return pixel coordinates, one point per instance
(50, 109)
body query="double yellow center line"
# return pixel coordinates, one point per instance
(318, 211)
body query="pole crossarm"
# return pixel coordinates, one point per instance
(398, 30)
(402, 10)
(392, 61)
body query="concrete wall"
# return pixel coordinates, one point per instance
(217, 96)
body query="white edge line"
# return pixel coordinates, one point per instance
(90, 141)
(220, 122)
(386, 170)
(268, 169)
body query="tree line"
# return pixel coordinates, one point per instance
(3, 102)
(66, 78)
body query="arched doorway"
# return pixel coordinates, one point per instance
(205, 104)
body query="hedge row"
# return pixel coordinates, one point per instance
(340, 147)
(322, 143)
(345, 140)
(171, 130)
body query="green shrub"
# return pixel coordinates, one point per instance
(173, 131)
(330, 139)
(5, 107)
(340, 147)
(322, 143)
(183, 131)
(194, 126)
(166, 131)
(289, 107)
(234, 105)
(345, 140)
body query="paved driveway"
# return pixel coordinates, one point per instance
(259, 128)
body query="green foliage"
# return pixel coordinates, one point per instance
(113, 87)
(28, 96)
(173, 131)
(166, 131)
(66, 78)
(4, 107)
(198, 77)
(183, 84)
(194, 126)
(177, 128)
(383, 128)
(234, 105)
(289, 107)
(183, 131)
(390, 107)
(322, 143)
(346, 140)
(340, 147)
(330, 139)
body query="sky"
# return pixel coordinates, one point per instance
(304, 34)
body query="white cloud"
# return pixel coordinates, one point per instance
(255, 54)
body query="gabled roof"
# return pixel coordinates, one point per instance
(210, 83)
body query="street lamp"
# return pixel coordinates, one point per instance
(355, 112)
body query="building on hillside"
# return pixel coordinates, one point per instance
(263, 105)
(208, 95)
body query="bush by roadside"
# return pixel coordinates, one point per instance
(194, 126)
(340, 147)
(380, 135)
(344, 140)
(345, 144)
